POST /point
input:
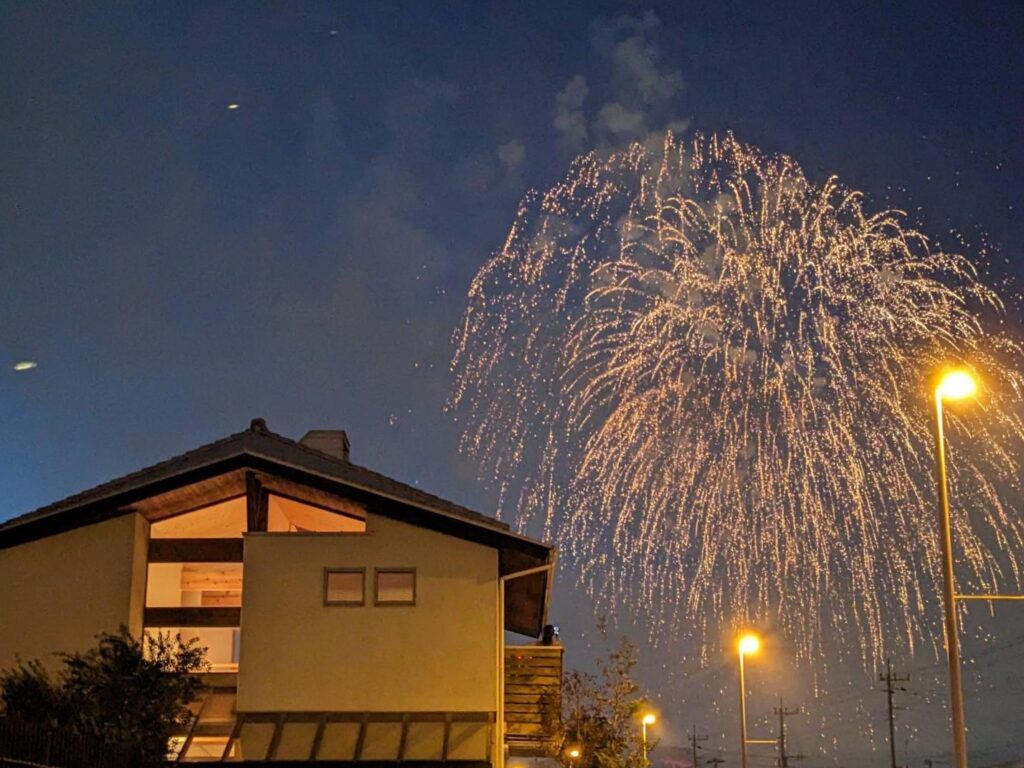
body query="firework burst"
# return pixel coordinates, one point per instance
(709, 378)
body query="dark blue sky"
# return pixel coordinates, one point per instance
(176, 267)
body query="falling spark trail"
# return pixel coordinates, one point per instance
(707, 377)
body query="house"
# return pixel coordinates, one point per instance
(349, 618)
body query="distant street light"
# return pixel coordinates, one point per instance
(748, 645)
(954, 385)
(648, 719)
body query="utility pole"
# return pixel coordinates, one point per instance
(783, 713)
(889, 679)
(694, 740)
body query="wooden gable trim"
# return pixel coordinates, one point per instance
(407, 512)
(256, 503)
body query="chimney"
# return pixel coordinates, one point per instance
(333, 442)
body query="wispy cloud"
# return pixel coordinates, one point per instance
(512, 155)
(570, 120)
(641, 95)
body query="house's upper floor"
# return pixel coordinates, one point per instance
(344, 613)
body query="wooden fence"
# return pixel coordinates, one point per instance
(31, 744)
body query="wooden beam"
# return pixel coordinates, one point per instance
(447, 738)
(404, 738)
(364, 721)
(236, 731)
(192, 729)
(195, 550)
(255, 503)
(318, 738)
(275, 740)
(192, 617)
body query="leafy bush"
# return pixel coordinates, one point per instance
(599, 713)
(125, 691)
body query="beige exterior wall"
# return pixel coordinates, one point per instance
(57, 593)
(298, 654)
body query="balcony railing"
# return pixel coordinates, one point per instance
(218, 733)
(533, 697)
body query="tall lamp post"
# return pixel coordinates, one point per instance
(748, 644)
(954, 385)
(648, 719)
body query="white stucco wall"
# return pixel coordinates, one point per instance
(57, 593)
(299, 654)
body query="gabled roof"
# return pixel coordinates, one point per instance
(260, 449)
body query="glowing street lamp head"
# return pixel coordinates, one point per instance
(749, 643)
(956, 385)
(574, 752)
(650, 719)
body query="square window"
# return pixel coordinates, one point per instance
(344, 587)
(396, 586)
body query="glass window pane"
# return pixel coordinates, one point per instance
(174, 747)
(339, 742)
(292, 516)
(204, 748)
(396, 587)
(382, 742)
(296, 741)
(345, 587)
(468, 741)
(226, 520)
(218, 709)
(425, 741)
(253, 741)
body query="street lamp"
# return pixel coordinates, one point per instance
(954, 385)
(748, 644)
(573, 753)
(648, 719)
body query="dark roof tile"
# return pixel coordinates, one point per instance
(259, 441)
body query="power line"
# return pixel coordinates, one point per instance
(889, 679)
(695, 745)
(783, 713)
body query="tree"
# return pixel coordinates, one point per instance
(600, 714)
(125, 691)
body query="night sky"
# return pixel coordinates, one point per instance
(177, 267)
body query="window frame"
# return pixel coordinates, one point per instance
(344, 603)
(393, 603)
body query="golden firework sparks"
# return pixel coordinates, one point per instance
(708, 377)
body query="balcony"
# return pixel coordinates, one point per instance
(533, 698)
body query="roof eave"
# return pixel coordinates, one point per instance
(243, 450)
